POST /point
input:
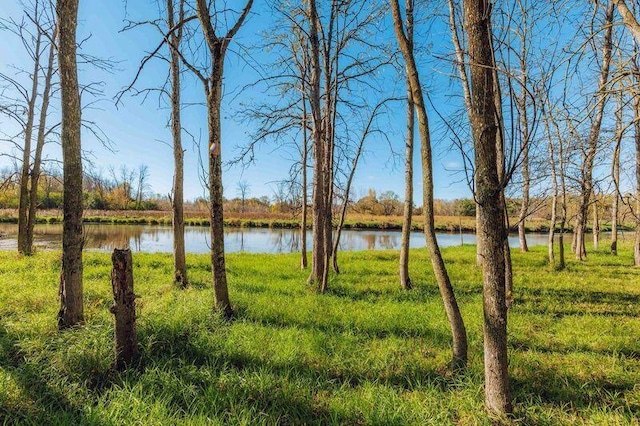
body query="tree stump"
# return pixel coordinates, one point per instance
(124, 309)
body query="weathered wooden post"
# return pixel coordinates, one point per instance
(124, 309)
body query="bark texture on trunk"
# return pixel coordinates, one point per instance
(218, 266)
(491, 209)
(177, 205)
(71, 310)
(124, 309)
(442, 277)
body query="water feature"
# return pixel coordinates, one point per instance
(153, 238)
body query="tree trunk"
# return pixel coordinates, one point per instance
(177, 205)
(586, 184)
(218, 267)
(615, 176)
(554, 197)
(71, 310)
(596, 223)
(636, 126)
(124, 309)
(319, 264)
(23, 207)
(466, 91)
(405, 279)
(37, 160)
(442, 277)
(305, 153)
(491, 210)
(524, 131)
(213, 90)
(347, 192)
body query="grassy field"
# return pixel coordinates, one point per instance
(365, 353)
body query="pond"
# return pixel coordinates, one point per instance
(154, 238)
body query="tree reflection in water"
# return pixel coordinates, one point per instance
(149, 238)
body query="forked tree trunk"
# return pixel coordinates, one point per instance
(71, 310)
(405, 279)
(319, 257)
(491, 210)
(177, 205)
(37, 160)
(213, 89)
(23, 207)
(124, 309)
(586, 182)
(442, 277)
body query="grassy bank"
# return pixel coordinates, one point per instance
(366, 353)
(353, 221)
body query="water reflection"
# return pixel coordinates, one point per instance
(151, 238)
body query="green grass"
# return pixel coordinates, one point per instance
(365, 353)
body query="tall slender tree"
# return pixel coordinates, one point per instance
(217, 48)
(491, 211)
(405, 279)
(442, 277)
(177, 200)
(71, 310)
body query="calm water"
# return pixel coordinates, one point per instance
(146, 238)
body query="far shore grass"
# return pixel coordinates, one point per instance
(365, 353)
(279, 220)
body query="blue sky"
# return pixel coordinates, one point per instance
(139, 132)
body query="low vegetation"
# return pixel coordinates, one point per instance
(282, 221)
(365, 353)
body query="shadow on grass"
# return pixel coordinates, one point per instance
(554, 387)
(46, 403)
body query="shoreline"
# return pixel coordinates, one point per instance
(126, 217)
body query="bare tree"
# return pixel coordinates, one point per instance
(491, 212)
(71, 310)
(592, 143)
(243, 189)
(177, 200)
(442, 277)
(217, 49)
(405, 279)
(36, 32)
